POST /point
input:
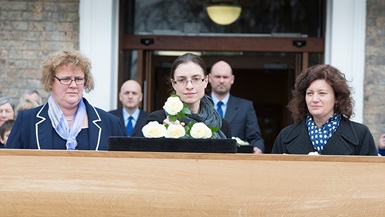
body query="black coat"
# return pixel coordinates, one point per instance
(350, 138)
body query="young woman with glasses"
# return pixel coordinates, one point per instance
(188, 78)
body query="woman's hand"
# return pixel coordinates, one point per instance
(257, 150)
(168, 122)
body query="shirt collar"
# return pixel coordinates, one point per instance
(224, 100)
(135, 115)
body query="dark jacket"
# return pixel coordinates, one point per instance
(160, 115)
(350, 138)
(142, 120)
(33, 130)
(241, 117)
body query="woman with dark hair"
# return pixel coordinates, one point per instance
(321, 108)
(188, 78)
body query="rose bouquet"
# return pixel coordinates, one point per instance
(172, 126)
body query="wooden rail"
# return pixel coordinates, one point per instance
(87, 183)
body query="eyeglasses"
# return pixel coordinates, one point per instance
(68, 81)
(184, 82)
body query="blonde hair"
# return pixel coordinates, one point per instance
(65, 58)
(26, 104)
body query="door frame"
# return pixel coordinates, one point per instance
(147, 44)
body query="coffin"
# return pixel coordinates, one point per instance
(109, 183)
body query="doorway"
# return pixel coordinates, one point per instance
(264, 65)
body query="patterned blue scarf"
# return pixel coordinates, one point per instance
(320, 136)
(60, 124)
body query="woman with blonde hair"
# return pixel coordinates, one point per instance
(67, 121)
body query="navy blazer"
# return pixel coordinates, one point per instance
(142, 120)
(160, 115)
(242, 118)
(33, 130)
(350, 138)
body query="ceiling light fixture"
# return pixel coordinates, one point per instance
(224, 13)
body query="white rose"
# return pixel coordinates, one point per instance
(173, 105)
(175, 131)
(154, 130)
(200, 131)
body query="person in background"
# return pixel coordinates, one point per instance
(7, 109)
(130, 114)
(67, 121)
(381, 146)
(32, 94)
(188, 78)
(26, 104)
(5, 130)
(321, 108)
(238, 112)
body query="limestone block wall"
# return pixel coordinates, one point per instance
(374, 84)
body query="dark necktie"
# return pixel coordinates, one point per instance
(219, 108)
(129, 126)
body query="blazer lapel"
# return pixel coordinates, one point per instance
(140, 122)
(43, 132)
(95, 130)
(232, 107)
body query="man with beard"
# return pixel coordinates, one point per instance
(238, 112)
(130, 115)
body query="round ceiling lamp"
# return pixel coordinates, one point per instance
(224, 14)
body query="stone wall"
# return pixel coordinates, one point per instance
(29, 32)
(374, 85)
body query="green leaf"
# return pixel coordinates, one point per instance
(213, 129)
(190, 124)
(185, 111)
(172, 118)
(180, 115)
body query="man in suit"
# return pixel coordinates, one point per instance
(238, 112)
(130, 115)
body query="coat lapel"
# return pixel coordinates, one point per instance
(298, 140)
(232, 107)
(140, 122)
(95, 131)
(343, 141)
(43, 129)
